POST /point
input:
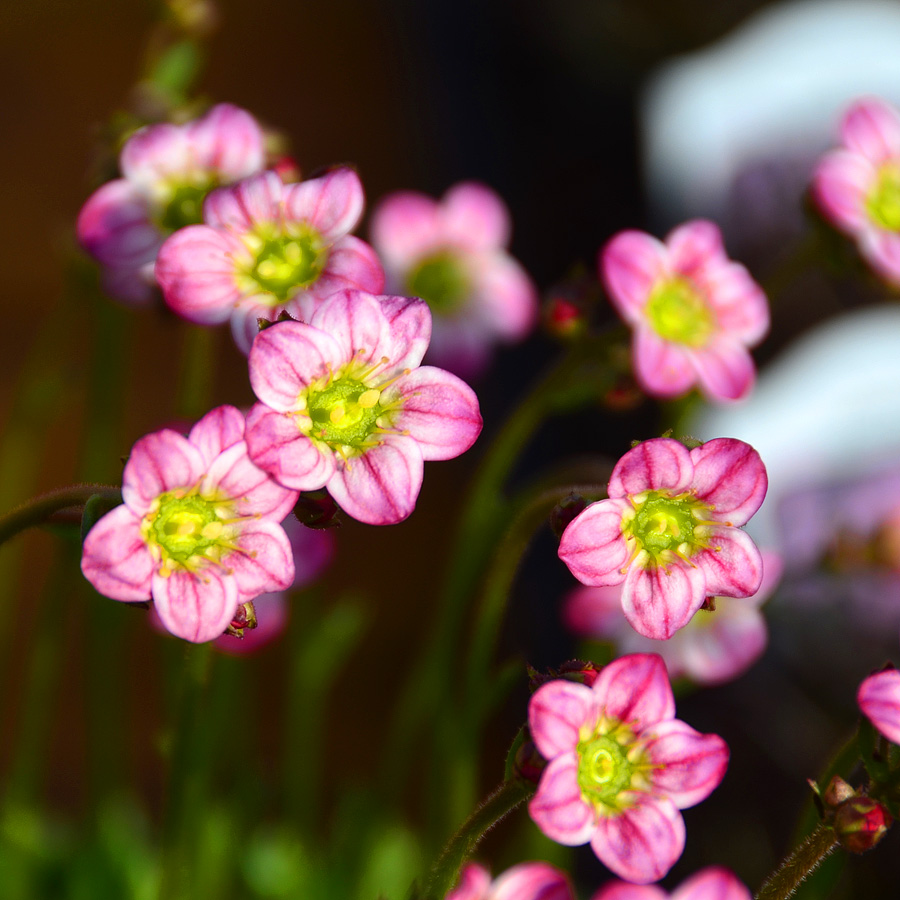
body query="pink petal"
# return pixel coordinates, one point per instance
(114, 226)
(882, 251)
(357, 323)
(474, 882)
(404, 228)
(622, 890)
(506, 297)
(381, 485)
(724, 369)
(688, 766)
(232, 474)
(216, 431)
(595, 612)
(740, 306)
(557, 808)
(152, 155)
(351, 263)
(557, 712)
(277, 445)
(440, 412)
(264, 561)
(474, 216)
(313, 550)
(879, 700)
(693, 246)
(332, 204)
(635, 689)
(657, 464)
(286, 358)
(631, 264)
(732, 564)
(241, 207)
(643, 842)
(658, 600)
(115, 558)
(409, 320)
(713, 883)
(196, 607)
(872, 127)
(195, 269)
(593, 546)
(532, 881)
(228, 141)
(662, 367)
(159, 462)
(133, 286)
(730, 476)
(840, 185)
(246, 315)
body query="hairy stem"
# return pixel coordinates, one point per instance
(805, 859)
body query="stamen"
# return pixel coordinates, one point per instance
(368, 399)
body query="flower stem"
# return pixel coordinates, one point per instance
(492, 810)
(38, 511)
(805, 859)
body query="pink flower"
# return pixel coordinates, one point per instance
(167, 171)
(620, 766)
(198, 531)
(667, 532)
(858, 186)
(267, 247)
(526, 881)
(694, 312)
(345, 405)
(879, 699)
(713, 883)
(453, 255)
(714, 647)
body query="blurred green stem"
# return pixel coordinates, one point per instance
(805, 859)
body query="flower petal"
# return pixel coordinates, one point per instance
(152, 155)
(688, 766)
(240, 207)
(739, 303)
(410, 322)
(474, 216)
(631, 264)
(730, 476)
(505, 298)
(332, 204)
(662, 367)
(115, 558)
(381, 485)
(622, 890)
(643, 842)
(879, 699)
(872, 127)
(732, 564)
(635, 689)
(840, 185)
(216, 431)
(357, 323)
(404, 228)
(277, 446)
(197, 607)
(557, 712)
(227, 140)
(474, 882)
(595, 613)
(713, 883)
(658, 600)
(693, 246)
(439, 411)
(657, 464)
(159, 462)
(351, 263)
(882, 250)
(286, 358)
(724, 369)
(557, 808)
(264, 562)
(593, 546)
(532, 881)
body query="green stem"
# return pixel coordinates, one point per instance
(37, 511)
(197, 374)
(460, 847)
(805, 859)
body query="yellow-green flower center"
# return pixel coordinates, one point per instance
(666, 526)
(678, 312)
(883, 202)
(287, 263)
(609, 762)
(344, 413)
(440, 281)
(184, 205)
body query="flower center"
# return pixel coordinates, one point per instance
(184, 206)
(185, 529)
(345, 412)
(604, 769)
(440, 281)
(666, 525)
(883, 202)
(678, 312)
(287, 263)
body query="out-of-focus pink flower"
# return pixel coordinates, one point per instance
(879, 699)
(198, 532)
(668, 531)
(693, 311)
(345, 405)
(167, 171)
(268, 247)
(714, 647)
(620, 766)
(858, 186)
(526, 881)
(452, 254)
(713, 883)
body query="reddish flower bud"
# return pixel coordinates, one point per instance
(287, 169)
(860, 823)
(528, 763)
(563, 317)
(837, 792)
(244, 619)
(573, 670)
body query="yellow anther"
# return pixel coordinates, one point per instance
(211, 530)
(367, 399)
(267, 268)
(337, 413)
(292, 252)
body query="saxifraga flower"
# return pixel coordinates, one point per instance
(713, 883)
(526, 881)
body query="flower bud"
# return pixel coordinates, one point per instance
(860, 823)
(573, 670)
(528, 762)
(244, 618)
(837, 792)
(287, 169)
(564, 318)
